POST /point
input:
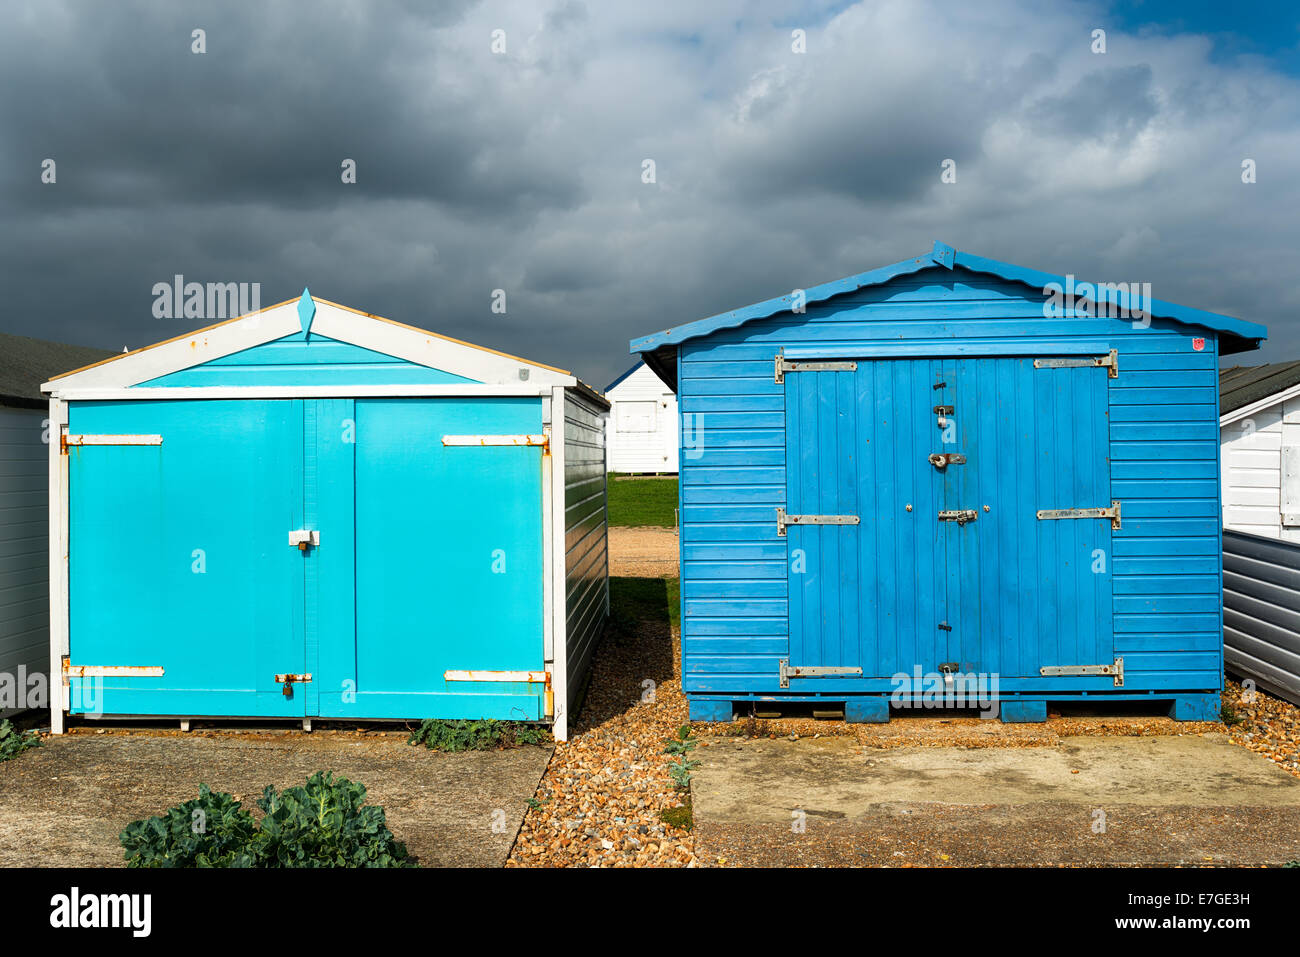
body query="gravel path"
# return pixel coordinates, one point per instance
(1266, 725)
(600, 800)
(647, 550)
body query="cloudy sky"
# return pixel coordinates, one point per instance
(522, 170)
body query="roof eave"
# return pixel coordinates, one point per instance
(1236, 335)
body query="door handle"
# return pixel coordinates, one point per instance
(304, 539)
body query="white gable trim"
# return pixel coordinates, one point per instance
(332, 321)
(429, 349)
(173, 355)
(1236, 415)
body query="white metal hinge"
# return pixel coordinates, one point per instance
(531, 677)
(1109, 361)
(543, 440)
(67, 439)
(108, 671)
(782, 520)
(1290, 488)
(784, 365)
(1111, 513)
(1075, 671)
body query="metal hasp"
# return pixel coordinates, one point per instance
(782, 520)
(959, 515)
(289, 681)
(1075, 671)
(1110, 362)
(818, 671)
(1111, 513)
(941, 460)
(784, 365)
(303, 539)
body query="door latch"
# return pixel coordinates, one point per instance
(288, 681)
(959, 515)
(304, 539)
(941, 460)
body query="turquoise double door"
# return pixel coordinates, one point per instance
(305, 558)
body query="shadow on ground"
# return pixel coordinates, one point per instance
(637, 647)
(64, 804)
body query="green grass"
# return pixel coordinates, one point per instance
(642, 501)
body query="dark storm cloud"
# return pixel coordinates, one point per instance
(1103, 103)
(523, 171)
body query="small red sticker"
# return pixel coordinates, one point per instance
(1198, 344)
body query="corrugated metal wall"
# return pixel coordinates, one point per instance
(1261, 611)
(24, 567)
(1164, 459)
(586, 559)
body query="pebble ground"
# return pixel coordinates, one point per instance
(601, 799)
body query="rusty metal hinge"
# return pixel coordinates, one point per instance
(784, 365)
(543, 440)
(786, 671)
(1111, 513)
(782, 520)
(1075, 671)
(107, 671)
(66, 439)
(1109, 361)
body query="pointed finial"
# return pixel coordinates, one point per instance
(306, 311)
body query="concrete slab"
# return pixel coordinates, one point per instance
(65, 803)
(1154, 800)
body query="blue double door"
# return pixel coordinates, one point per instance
(415, 559)
(946, 464)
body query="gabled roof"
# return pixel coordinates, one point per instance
(309, 316)
(631, 372)
(623, 377)
(1243, 386)
(25, 363)
(660, 349)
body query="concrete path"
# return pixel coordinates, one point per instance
(65, 803)
(1115, 800)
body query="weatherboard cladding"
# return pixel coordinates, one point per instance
(24, 568)
(1163, 459)
(586, 558)
(299, 359)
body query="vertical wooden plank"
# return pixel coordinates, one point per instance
(795, 562)
(554, 545)
(848, 503)
(58, 558)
